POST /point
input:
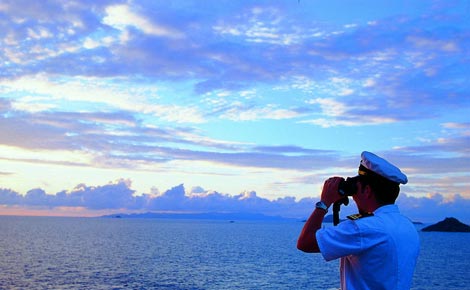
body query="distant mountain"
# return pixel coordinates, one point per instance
(448, 225)
(206, 216)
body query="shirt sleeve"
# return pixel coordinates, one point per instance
(339, 241)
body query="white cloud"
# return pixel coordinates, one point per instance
(328, 123)
(122, 16)
(32, 105)
(70, 89)
(239, 112)
(262, 25)
(369, 83)
(345, 92)
(329, 107)
(455, 125)
(45, 155)
(174, 113)
(39, 32)
(429, 43)
(359, 121)
(303, 83)
(338, 113)
(43, 93)
(90, 43)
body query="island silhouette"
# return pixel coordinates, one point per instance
(449, 224)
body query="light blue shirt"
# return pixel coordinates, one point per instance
(377, 252)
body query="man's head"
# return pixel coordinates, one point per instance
(379, 177)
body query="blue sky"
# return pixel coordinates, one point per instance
(240, 100)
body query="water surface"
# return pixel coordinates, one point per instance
(98, 253)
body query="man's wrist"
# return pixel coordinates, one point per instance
(321, 205)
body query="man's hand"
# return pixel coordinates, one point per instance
(330, 192)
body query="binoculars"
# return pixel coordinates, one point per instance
(348, 187)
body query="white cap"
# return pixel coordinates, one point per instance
(382, 167)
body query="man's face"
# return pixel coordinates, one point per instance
(360, 197)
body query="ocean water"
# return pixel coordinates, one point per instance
(98, 253)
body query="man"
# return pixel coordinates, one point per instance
(378, 247)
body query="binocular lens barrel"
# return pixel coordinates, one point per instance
(348, 187)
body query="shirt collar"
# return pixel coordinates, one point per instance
(389, 208)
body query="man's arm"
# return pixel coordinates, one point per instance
(307, 241)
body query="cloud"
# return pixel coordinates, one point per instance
(434, 207)
(121, 16)
(118, 196)
(9, 197)
(265, 25)
(342, 114)
(406, 61)
(118, 139)
(242, 112)
(41, 93)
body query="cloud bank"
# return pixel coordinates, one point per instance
(119, 197)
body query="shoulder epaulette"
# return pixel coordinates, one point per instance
(357, 216)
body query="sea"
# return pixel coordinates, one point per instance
(113, 253)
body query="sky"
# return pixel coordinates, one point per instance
(192, 106)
